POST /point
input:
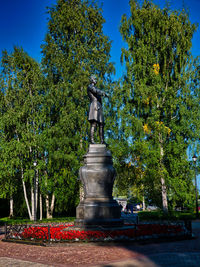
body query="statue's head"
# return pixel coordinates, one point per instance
(93, 79)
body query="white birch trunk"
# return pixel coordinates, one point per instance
(32, 202)
(81, 190)
(48, 216)
(163, 185)
(11, 208)
(36, 188)
(40, 207)
(24, 188)
(164, 195)
(52, 204)
(47, 206)
(143, 204)
(25, 195)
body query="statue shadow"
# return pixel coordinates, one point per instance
(176, 251)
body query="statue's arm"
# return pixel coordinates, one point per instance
(97, 91)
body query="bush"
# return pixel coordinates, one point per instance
(160, 215)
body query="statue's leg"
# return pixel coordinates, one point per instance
(92, 130)
(101, 132)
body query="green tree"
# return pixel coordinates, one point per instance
(20, 126)
(75, 47)
(158, 102)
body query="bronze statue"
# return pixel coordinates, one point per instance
(96, 112)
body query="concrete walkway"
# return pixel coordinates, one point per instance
(161, 260)
(8, 262)
(170, 254)
(185, 253)
(155, 260)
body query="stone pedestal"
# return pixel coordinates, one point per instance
(97, 175)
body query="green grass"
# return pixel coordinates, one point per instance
(160, 215)
(143, 216)
(27, 221)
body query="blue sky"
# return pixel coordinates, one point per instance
(114, 9)
(23, 23)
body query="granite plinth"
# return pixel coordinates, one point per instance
(97, 175)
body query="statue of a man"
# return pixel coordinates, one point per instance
(96, 113)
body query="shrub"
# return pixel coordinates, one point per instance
(160, 215)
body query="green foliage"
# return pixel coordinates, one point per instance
(20, 124)
(159, 215)
(151, 117)
(75, 47)
(157, 104)
(43, 111)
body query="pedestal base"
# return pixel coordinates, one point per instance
(98, 209)
(98, 223)
(95, 214)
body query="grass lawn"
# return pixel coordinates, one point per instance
(143, 216)
(27, 221)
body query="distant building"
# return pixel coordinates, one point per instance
(122, 202)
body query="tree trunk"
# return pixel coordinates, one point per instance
(11, 207)
(24, 187)
(25, 195)
(162, 179)
(40, 207)
(81, 190)
(33, 202)
(36, 187)
(48, 214)
(143, 204)
(52, 205)
(164, 195)
(47, 207)
(50, 208)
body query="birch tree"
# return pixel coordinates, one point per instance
(21, 122)
(74, 48)
(158, 104)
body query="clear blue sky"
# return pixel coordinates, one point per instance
(113, 10)
(23, 23)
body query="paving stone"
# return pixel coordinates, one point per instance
(9, 262)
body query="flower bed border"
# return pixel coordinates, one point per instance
(18, 233)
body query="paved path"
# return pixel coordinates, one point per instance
(8, 262)
(163, 259)
(184, 253)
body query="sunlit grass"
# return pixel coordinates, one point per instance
(19, 220)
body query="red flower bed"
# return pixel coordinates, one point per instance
(157, 229)
(64, 233)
